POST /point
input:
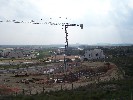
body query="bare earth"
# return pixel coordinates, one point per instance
(15, 84)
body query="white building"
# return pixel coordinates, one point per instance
(5, 52)
(93, 54)
(15, 54)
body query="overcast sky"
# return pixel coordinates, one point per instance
(105, 21)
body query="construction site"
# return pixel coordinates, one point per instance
(53, 77)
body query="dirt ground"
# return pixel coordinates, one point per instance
(10, 82)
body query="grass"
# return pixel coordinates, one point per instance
(123, 91)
